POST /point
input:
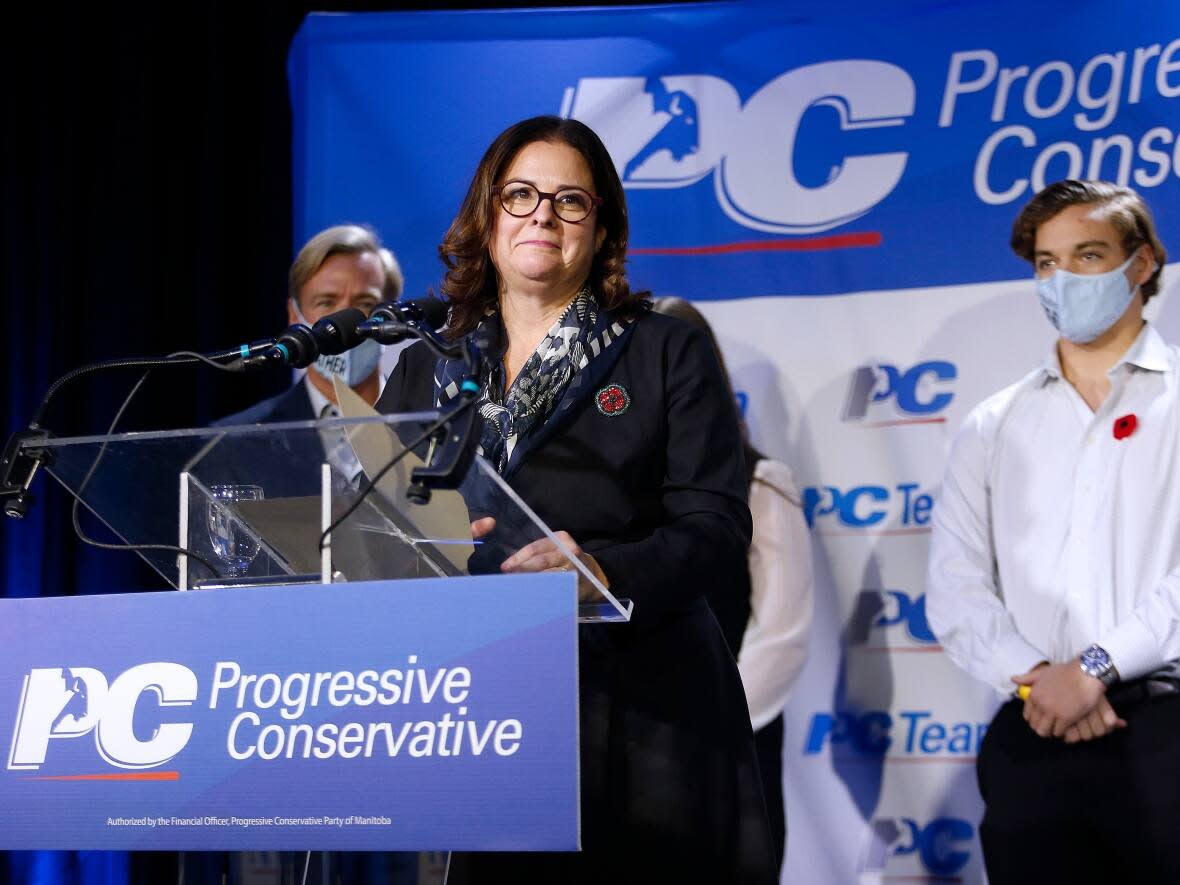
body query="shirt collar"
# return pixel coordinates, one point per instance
(320, 404)
(1051, 367)
(1148, 351)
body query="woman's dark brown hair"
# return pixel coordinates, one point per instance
(1121, 206)
(471, 284)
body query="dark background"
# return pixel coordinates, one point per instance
(147, 208)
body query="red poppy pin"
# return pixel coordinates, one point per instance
(1125, 426)
(613, 400)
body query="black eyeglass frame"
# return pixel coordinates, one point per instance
(498, 192)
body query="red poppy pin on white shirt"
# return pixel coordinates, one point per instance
(1125, 426)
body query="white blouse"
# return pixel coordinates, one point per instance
(774, 647)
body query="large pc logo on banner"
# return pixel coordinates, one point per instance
(673, 131)
(72, 702)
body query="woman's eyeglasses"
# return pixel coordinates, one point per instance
(572, 204)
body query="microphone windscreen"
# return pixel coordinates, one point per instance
(337, 332)
(427, 311)
(434, 312)
(296, 346)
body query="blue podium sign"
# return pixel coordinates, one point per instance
(379, 715)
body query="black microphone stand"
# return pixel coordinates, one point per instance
(21, 461)
(451, 448)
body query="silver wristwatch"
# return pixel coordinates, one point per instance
(1097, 663)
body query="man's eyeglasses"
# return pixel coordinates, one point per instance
(572, 204)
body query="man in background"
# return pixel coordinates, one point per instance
(1055, 561)
(340, 267)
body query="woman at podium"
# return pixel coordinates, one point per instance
(614, 424)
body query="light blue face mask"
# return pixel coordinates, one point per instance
(352, 366)
(1083, 306)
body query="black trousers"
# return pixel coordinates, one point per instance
(1106, 810)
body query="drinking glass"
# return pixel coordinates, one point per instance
(232, 541)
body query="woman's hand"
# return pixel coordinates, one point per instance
(543, 555)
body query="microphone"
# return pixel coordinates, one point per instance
(296, 347)
(429, 309)
(241, 352)
(338, 332)
(391, 322)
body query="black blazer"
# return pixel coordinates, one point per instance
(252, 462)
(657, 493)
(293, 404)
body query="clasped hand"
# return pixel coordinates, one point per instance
(1066, 703)
(543, 555)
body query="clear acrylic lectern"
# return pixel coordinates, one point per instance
(251, 504)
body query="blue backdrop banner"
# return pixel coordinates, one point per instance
(896, 139)
(367, 716)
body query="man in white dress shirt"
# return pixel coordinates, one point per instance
(1055, 561)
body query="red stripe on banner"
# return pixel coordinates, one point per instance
(128, 776)
(808, 244)
(900, 421)
(915, 531)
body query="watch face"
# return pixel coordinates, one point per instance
(1095, 660)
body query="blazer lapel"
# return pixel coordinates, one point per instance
(582, 386)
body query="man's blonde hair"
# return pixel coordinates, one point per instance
(343, 239)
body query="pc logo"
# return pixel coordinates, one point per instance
(917, 393)
(862, 507)
(61, 703)
(675, 130)
(939, 844)
(888, 611)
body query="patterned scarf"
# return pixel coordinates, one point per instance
(582, 334)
